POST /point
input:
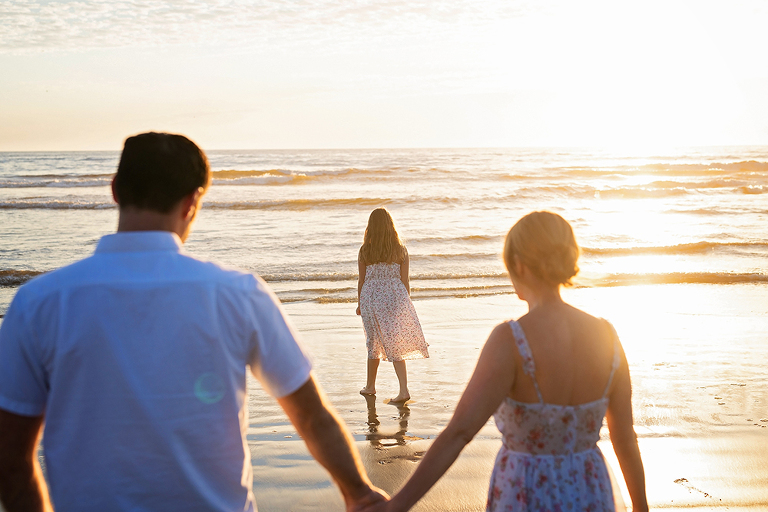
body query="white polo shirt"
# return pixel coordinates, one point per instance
(137, 357)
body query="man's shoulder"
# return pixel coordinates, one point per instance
(232, 286)
(56, 279)
(219, 273)
(96, 270)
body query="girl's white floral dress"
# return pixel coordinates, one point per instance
(392, 329)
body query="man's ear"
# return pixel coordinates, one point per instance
(190, 203)
(114, 193)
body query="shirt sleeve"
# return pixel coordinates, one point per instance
(278, 360)
(23, 382)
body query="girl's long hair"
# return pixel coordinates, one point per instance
(381, 243)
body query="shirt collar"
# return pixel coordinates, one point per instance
(139, 241)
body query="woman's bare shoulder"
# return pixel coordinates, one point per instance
(592, 326)
(501, 333)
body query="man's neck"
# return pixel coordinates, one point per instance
(136, 219)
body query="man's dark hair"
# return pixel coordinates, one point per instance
(157, 170)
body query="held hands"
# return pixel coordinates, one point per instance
(373, 501)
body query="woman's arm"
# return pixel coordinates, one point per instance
(490, 383)
(360, 279)
(623, 437)
(404, 269)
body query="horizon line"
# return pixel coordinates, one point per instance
(371, 148)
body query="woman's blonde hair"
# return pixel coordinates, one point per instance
(381, 243)
(544, 242)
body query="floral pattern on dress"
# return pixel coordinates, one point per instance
(392, 329)
(549, 460)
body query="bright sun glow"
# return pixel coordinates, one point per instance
(386, 74)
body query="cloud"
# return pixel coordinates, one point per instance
(70, 25)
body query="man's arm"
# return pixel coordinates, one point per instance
(330, 444)
(22, 487)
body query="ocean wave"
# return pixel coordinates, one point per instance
(462, 289)
(269, 177)
(690, 248)
(438, 294)
(754, 189)
(57, 181)
(297, 204)
(454, 286)
(348, 295)
(722, 278)
(338, 202)
(352, 276)
(749, 169)
(310, 276)
(694, 185)
(219, 177)
(640, 192)
(645, 191)
(458, 256)
(17, 277)
(49, 204)
(454, 239)
(584, 172)
(286, 176)
(747, 177)
(742, 167)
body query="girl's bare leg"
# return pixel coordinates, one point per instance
(370, 382)
(402, 379)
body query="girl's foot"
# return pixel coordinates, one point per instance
(368, 391)
(400, 398)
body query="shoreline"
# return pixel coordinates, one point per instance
(695, 385)
(697, 355)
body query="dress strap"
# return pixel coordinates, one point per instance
(525, 352)
(615, 363)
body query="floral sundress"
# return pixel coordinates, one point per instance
(549, 459)
(392, 329)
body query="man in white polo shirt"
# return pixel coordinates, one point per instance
(134, 360)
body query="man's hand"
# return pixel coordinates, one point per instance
(357, 311)
(370, 502)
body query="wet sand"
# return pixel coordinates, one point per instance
(697, 353)
(698, 356)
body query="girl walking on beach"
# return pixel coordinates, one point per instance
(548, 379)
(392, 329)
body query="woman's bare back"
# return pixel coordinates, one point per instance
(573, 353)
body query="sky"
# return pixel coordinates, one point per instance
(231, 74)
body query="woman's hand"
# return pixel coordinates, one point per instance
(374, 501)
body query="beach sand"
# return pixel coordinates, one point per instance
(697, 353)
(698, 356)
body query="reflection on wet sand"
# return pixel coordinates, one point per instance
(381, 440)
(390, 455)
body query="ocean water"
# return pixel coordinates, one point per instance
(675, 254)
(297, 217)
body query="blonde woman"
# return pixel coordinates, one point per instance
(392, 329)
(548, 379)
